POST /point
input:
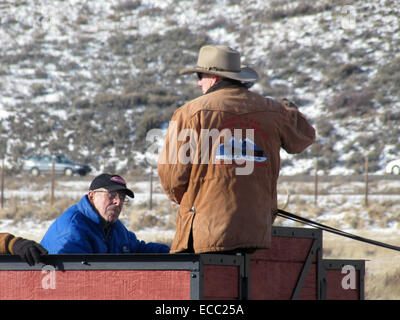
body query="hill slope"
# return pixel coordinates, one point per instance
(90, 78)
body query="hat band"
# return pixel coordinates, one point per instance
(218, 69)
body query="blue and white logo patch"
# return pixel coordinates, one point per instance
(242, 150)
(125, 249)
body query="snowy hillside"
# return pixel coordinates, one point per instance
(90, 78)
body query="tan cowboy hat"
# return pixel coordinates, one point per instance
(222, 61)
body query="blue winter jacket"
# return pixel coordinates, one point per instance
(79, 230)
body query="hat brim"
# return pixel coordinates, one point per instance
(129, 192)
(246, 74)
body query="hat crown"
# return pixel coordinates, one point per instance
(110, 182)
(222, 61)
(220, 58)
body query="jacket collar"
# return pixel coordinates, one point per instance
(86, 208)
(225, 83)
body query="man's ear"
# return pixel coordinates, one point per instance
(216, 79)
(91, 195)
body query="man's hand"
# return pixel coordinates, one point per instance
(28, 250)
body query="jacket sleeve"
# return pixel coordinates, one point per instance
(138, 246)
(296, 132)
(174, 165)
(7, 241)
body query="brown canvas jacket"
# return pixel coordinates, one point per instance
(220, 209)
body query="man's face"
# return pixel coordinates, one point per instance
(107, 203)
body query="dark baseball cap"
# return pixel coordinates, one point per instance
(111, 182)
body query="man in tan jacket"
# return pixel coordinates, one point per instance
(221, 157)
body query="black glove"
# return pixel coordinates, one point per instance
(28, 250)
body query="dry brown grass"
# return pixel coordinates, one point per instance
(37, 209)
(163, 215)
(382, 274)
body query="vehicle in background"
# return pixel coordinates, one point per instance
(393, 167)
(38, 164)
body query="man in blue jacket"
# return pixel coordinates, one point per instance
(92, 225)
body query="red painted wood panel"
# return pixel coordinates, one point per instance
(273, 275)
(335, 291)
(285, 249)
(275, 271)
(221, 282)
(96, 284)
(276, 280)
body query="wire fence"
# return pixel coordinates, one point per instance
(316, 179)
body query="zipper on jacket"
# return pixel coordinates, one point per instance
(106, 235)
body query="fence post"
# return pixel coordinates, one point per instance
(366, 180)
(52, 182)
(151, 188)
(2, 184)
(316, 182)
